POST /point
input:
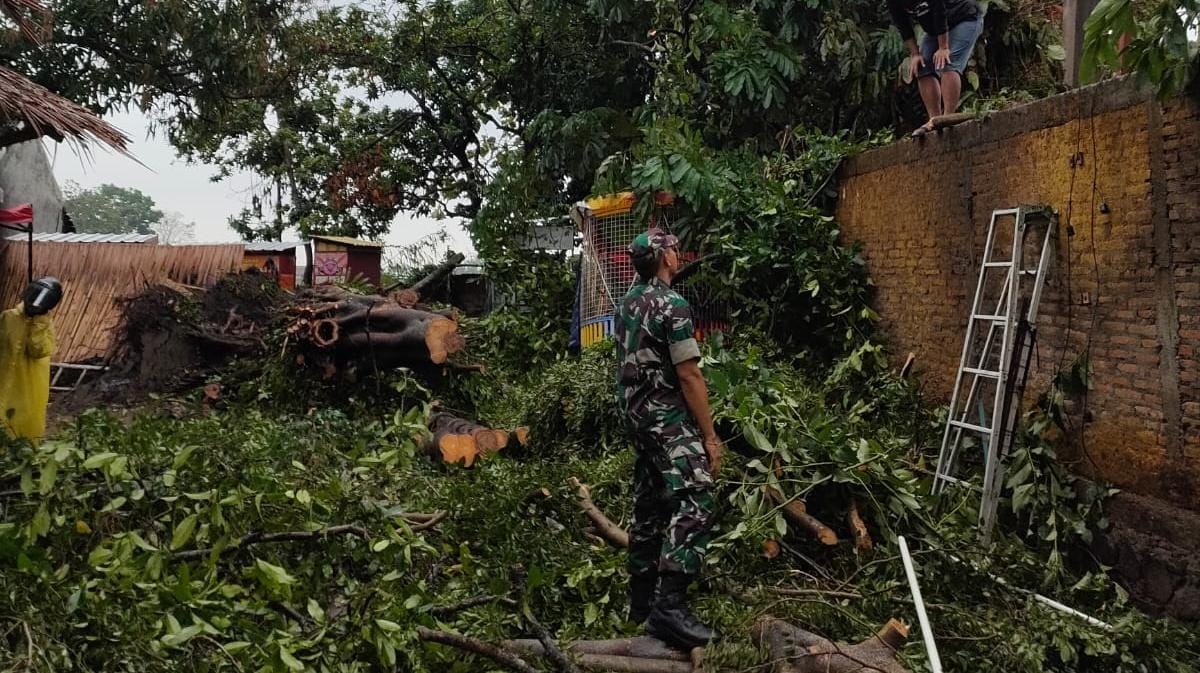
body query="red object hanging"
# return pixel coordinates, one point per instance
(22, 214)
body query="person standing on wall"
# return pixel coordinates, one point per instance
(26, 344)
(951, 29)
(664, 399)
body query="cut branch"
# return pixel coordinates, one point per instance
(264, 538)
(858, 527)
(412, 295)
(433, 520)
(605, 528)
(468, 644)
(797, 513)
(953, 119)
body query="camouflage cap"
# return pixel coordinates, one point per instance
(651, 241)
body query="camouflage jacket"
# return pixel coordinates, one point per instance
(654, 333)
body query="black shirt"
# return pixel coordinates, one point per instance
(935, 16)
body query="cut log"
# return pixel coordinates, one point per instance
(458, 439)
(325, 332)
(797, 513)
(605, 528)
(795, 650)
(369, 326)
(519, 436)
(858, 528)
(770, 548)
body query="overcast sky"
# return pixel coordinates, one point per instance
(186, 188)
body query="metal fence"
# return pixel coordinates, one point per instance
(608, 225)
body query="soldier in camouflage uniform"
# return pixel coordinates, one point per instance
(664, 399)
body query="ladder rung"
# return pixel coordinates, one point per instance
(952, 480)
(982, 372)
(971, 426)
(994, 318)
(997, 265)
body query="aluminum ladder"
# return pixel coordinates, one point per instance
(1007, 325)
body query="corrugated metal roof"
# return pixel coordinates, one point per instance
(86, 238)
(346, 240)
(272, 246)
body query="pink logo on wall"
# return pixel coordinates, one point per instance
(330, 267)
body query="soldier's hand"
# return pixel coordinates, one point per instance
(712, 446)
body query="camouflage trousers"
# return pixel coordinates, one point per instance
(673, 501)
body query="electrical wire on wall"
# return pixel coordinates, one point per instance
(1075, 161)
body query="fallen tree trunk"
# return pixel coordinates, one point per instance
(605, 528)
(370, 327)
(795, 650)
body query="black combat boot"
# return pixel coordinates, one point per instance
(641, 595)
(671, 621)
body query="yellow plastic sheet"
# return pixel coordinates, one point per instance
(26, 345)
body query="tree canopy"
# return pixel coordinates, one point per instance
(109, 209)
(351, 115)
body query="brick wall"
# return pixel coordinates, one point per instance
(1124, 283)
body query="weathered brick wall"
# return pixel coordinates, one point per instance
(1125, 285)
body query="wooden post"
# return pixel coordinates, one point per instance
(1075, 13)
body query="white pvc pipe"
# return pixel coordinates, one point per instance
(1070, 611)
(1048, 602)
(935, 662)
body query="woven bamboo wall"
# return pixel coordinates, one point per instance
(96, 275)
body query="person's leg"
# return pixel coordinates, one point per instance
(951, 90)
(927, 80)
(689, 483)
(962, 43)
(931, 94)
(651, 514)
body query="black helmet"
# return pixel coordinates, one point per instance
(42, 295)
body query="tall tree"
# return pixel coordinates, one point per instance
(109, 209)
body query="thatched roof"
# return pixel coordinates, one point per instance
(35, 111)
(32, 18)
(45, 113)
